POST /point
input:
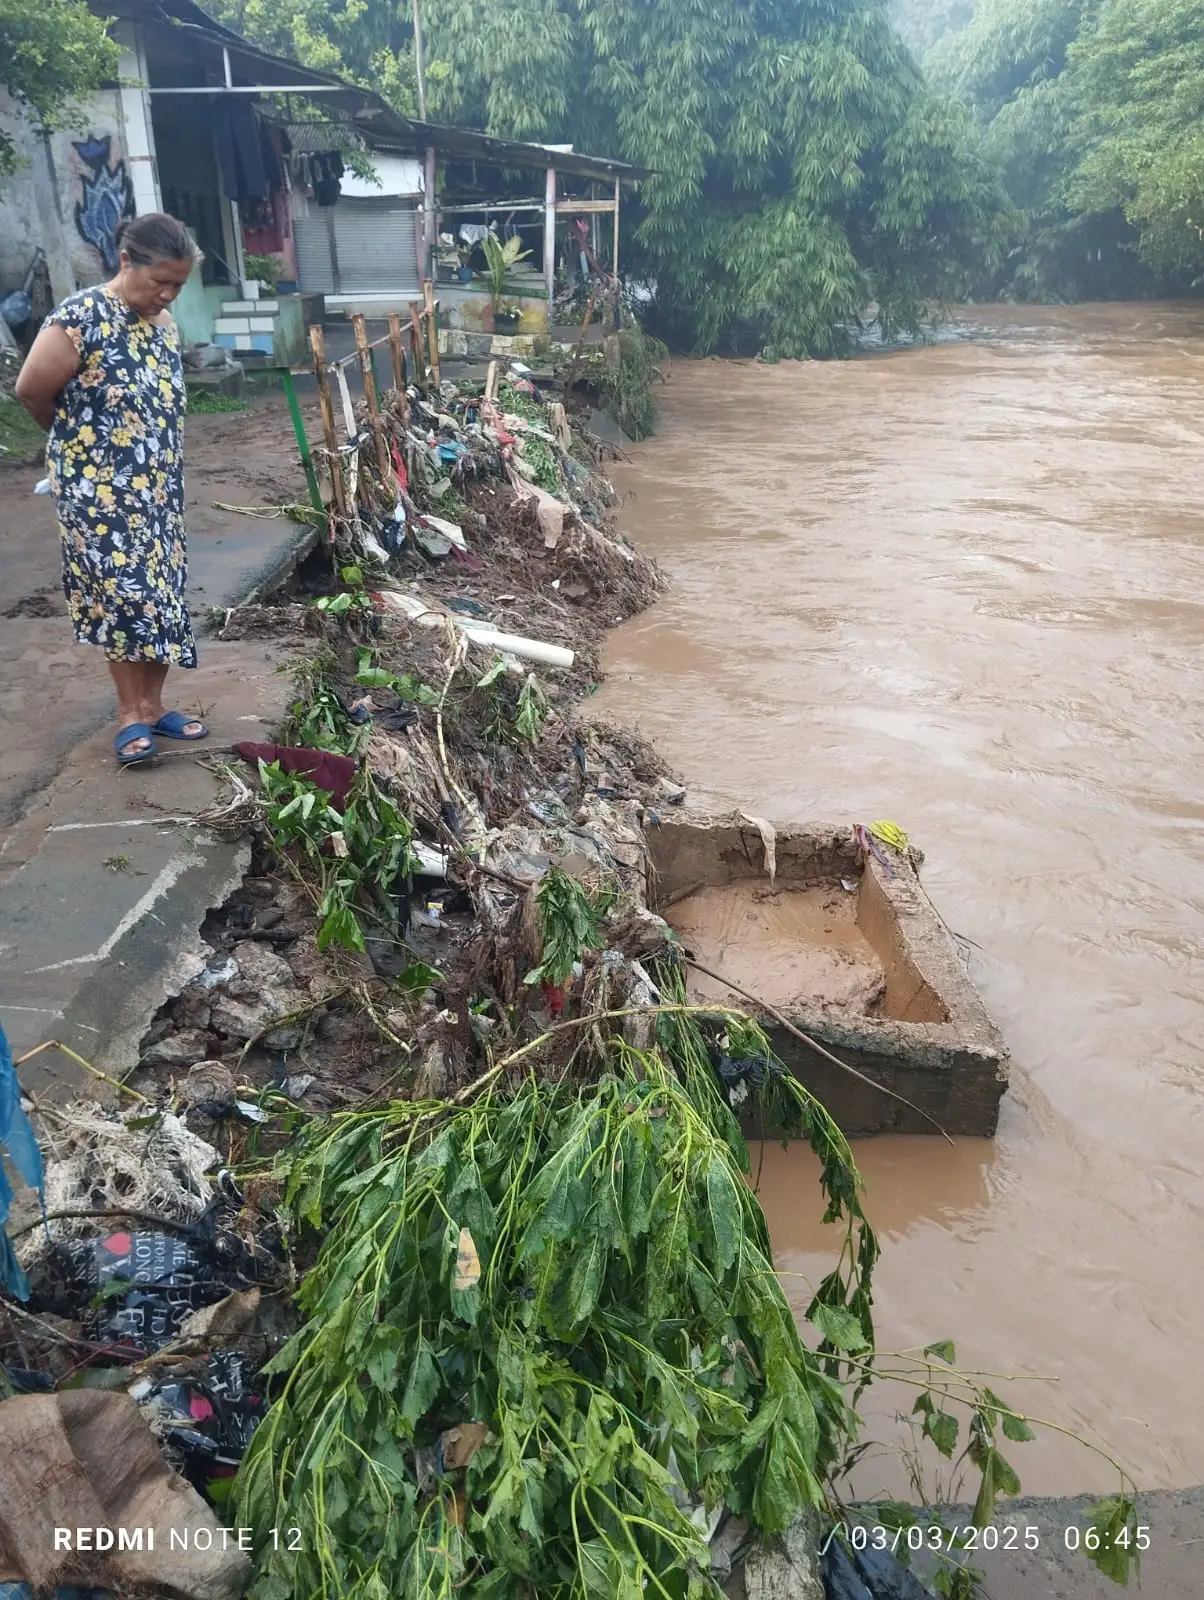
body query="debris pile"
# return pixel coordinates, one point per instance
(432, 1211)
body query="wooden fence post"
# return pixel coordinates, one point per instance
(399, 377)
(428, 294)
(419, 347)
(317, 344)
(374, 422)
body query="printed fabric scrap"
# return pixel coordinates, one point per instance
(117, 474)
(17, 1138)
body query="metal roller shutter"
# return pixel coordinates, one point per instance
(377, 243)
(314, 270)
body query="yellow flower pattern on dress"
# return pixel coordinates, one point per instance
(117, 475)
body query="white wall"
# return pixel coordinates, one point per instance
(396, 174)
(68, 195)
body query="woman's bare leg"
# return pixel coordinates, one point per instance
(139, 686)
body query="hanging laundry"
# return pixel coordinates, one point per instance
(239, 151)
(325, 170)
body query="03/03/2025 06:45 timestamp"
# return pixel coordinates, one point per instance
(937, 1536)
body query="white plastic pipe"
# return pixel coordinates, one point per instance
(548, 655)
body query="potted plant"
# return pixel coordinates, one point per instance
(500, 258)
(464, 271)
(263, 272)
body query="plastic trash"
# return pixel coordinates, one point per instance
(208, 1421)
(840, 1575)
(17, 1138)
(168, 1279)
(22, 1591)
(755, 1071)
(137, 1290)
(42, 486)
(888, 1579)
(508, 644)
(16, 309)
(868, 1575)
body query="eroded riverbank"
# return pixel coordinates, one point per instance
(959, 587)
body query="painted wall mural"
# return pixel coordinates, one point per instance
(106, 197)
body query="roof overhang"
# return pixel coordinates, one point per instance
(377, 122)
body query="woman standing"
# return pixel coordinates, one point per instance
(104, 377)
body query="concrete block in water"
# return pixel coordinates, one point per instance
(850, 950)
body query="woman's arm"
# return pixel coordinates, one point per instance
(49, 367)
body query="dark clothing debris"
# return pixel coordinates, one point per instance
(328, 771)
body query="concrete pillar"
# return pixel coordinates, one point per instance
(549, 239)
(430, 223)
(134, 111)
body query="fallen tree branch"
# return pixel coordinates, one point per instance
(57, 1044)
(151, 1218)
(290, 1016)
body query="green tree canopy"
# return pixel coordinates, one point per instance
(802, 169)
(922, 22)
(51, 54)
(1139, 75)
(1091, 111)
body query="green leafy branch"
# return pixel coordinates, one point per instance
(582, 1277)
(570, 921)
(360, 857)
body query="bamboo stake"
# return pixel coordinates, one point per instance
(575, 361)
(418, 343)
(399, 379)
(57, 1044)
(374, 422)
(428, 295)
(317, 344)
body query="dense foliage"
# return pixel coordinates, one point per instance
(1090, 109)
(1140, 83)
(801, 169)
(50, 55)
(545, 1340)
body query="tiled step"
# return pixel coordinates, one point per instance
(245, 325)
(252, 308)
(263, 342)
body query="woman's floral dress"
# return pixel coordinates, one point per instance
(117, 473)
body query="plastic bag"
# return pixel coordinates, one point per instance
(207, 1422)
(868, 1575)
(22, 1591)
(840, 1575)
(17, 1137)
(168, 1280)
(888, 1579)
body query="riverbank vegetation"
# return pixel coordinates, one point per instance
(1090, 111)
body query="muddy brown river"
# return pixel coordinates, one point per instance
(962, 587)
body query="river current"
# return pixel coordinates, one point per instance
(962, 587)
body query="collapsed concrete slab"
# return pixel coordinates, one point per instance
(851, 950)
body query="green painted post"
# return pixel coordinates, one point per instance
(311, 477)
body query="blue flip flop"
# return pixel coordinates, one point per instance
(171, 725)
(129, 736)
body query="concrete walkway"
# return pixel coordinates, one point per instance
(101, 892)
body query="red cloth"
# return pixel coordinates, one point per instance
(328, 771)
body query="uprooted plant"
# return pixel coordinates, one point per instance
(544, 1343)
(359, 857)
(545, 1346)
